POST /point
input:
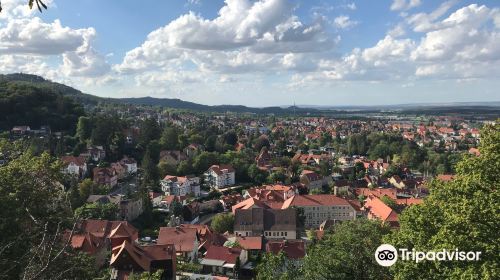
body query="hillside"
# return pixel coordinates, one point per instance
(35, 102)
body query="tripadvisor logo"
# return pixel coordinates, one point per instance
(387, 255)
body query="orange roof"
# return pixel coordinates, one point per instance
(314, 200)
(249, 203)
(378, 192)
(183, 238)
(250, 242)
(380, 210)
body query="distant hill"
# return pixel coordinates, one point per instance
(32, 101)
(87, 99)
(471, 108)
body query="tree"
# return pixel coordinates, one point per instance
(277, 267)
(169, 138)
(388, 201)
(96, 210)
(150, 169)
(230, 138)
(84, 128)
(257, 175)
(35, 211)
(176, 208)
(462, 214)
(262, 141)
(39, 4)
(347, 252)
(222, 223)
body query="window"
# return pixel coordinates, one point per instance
(286, 233)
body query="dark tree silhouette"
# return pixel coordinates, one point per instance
(39, 5)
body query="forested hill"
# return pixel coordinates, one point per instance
(32, 101)
(87, 99)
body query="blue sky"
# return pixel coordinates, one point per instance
(261, 52)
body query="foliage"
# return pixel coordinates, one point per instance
(347, 253)
(96, 210)
(222, 223)
(24, 103)
(34, 213)
(461, 214)
(277, 267)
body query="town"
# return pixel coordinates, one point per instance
(190, 195)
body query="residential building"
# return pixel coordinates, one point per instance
(105, 176)
(377, 209)
(312, 180)
(181, 185)
(269, 223)
(219, 259)
(186, 241)
(75, 166)
(129, 258)
(220, 176)
(293, 249)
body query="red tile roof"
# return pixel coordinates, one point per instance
(221, 253)
(183, 238)
(292, 249)
(314, 200)
(380, 210)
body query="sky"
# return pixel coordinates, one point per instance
(261, 52)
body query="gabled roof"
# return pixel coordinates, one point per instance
(142, 256)
(223, 254)
(292, 249)
(380, 210)
(183, 238)
(80, 161)
(219, 169)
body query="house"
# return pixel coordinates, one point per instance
(378, 192)
(270, 223)
(19, 131)
(264, 158)
(293, 249)
(129, 258)
(172, 157)
(193, 150)
(75, 166)
(130, 165)
(97, 237)
(278, 193)
(186, 241)
(228, 201)
(318, 208)
(181, 185)
(120, 170)
(397, 182)
(156, 198)
(105, 176)
(312, 180)
(222, 260)
(220, 176)
(129, 209)
(95, 153)
(169, 199)
(377, 209)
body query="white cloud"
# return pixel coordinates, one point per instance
(423, 22)
(33, 36)
(343, 22)
(31, 45)
(398, 5)
(246, 36)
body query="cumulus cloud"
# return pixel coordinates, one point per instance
(398, 5)
(245, 35)
(33, 36)
(27, 43)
